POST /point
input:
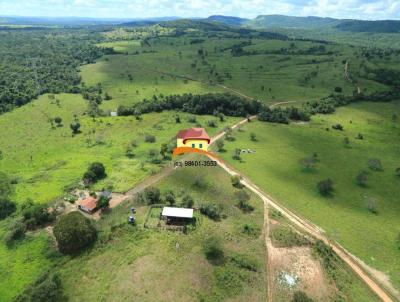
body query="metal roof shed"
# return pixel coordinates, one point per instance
(177, 212)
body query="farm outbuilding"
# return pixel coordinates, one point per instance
(177, 215)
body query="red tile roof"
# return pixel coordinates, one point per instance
(89, 203)
(193, 133)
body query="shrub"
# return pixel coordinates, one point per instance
(58, 121)
(346, 142)
(300, 296)
(235, 180)
(7, 207)
(398, 171)
(74, 233)
(243, 201)
(338, 127)
(220, 145)
(36, 214)
(15, 231)
(236, 154)
(308, 163)
(75, 126)
(251, 230)
(211, 210)
(360, 136)
(187, 201)
(212, 123)
(245, 262)
(375, 164)
(177, 119)
(47, 288)
(371, 205)
(253, 137)
(286, 237)
(170, 197)
(213, 250)
(152, 195)
(338, 89)
(325, 187)
(361, 178)
(192, 119)
(148, 138)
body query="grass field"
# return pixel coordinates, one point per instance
(275, 168)
(43, 161)
(160, 265)
(22, 263)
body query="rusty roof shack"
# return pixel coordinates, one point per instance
(88, 204)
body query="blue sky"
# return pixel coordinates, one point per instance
(360, 9)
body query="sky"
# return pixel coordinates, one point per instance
(357, 9)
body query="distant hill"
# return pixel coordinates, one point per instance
(229, 20)
(384, 26)
(265, 21)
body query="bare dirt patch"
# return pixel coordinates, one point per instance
(295, 268)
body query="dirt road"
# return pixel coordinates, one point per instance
(316, 232)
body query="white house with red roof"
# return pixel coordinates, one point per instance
(193, 138)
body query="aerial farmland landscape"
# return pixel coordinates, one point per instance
(200, 151)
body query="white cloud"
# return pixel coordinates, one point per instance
(364, 9)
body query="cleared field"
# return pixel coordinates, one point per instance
(160, 265)
(347, 215)
(44, 161)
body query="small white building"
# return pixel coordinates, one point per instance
(177, 214)
(113, 113)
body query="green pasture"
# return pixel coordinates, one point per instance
(131, 262)
(44, 161)
(268, 77)
(344, 216)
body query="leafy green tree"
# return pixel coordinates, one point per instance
(35, 214)
(170, 197)
(211, 210)
(75, 126)
(74, 232)
(58, 121)
(398, 171)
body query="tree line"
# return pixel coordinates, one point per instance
(210, 103)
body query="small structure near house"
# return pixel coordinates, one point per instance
(88, 204)
(105, 194)
(177, 215)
